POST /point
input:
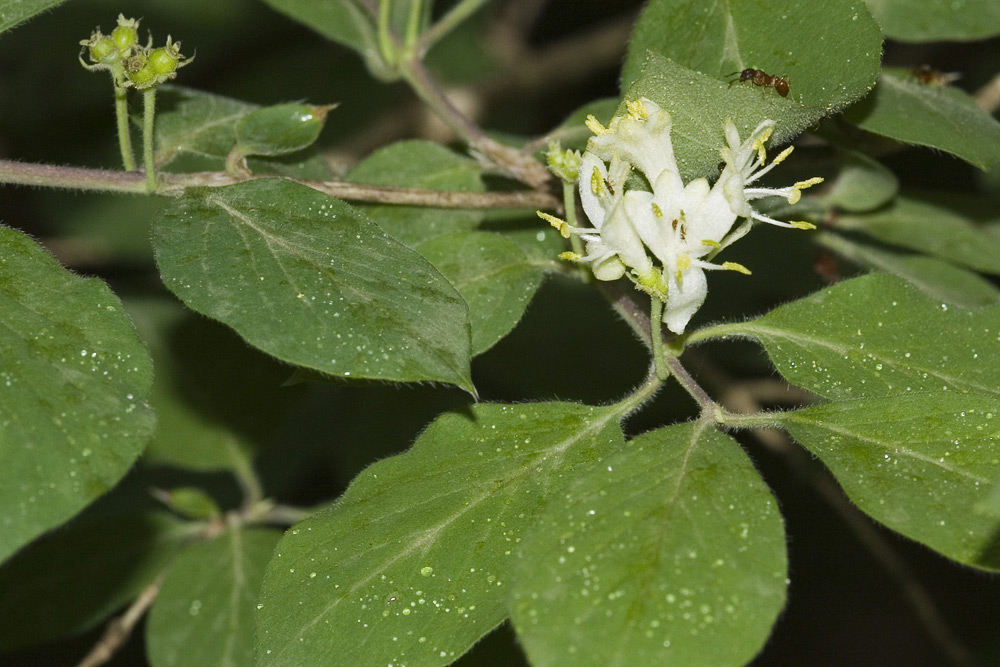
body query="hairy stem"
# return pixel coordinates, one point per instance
(124, 133)
(148, 118)
(656, 337)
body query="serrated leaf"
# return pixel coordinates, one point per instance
(419, 164)
(672, 551)
(493, 275)
(936, 278)
(941, 117)
(927, 225)
(410, 566)
(92, 567)
(936, 20)
(204, 613)
(310, 280)
(699, 105)
(73, 384)
(804, 42)
(13, 12)
(917, 463)
(879, 336)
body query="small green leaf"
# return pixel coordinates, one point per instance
(74, 378)
(410, 566)
(419, 164)
(699, 106)
(804, 42)
(198, 124)
(280, 129)
(936, 226)
(941, 117)
(13, 12)
(189, 501)
(204, 614)
(936, 20)
(92, 567)
(312, 281)
(879, 336)
(863, 184)
(936, 278)
(917, 463)
(671, 551)
(341, 21)
(492, 274)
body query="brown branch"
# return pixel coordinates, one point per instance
(119, 629)
(42, 175)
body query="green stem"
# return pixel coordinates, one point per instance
(447, 23)
(148, 117)
(121, 116)
(413, 24)
(385, 42)
(656, 337)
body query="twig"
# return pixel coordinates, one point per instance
(43, 175)
(119, 629)
(988, 96)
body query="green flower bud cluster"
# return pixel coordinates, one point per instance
(563, 163)
(131, 64)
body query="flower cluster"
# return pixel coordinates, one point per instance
(132, 65)
(663, 239)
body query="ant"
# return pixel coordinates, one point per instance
(928, 76)
(761, 78)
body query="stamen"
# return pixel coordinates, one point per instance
(637, 110)
(558, 223)
(657, 211)
(734, 266)
(571, 256)
(782, 155)
(594, 125)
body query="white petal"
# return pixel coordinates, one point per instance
(644, 143)
(619, 234)
(684, 299)
(595, 204)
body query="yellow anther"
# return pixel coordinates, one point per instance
(657, 211)
(783, 154)
(561, 225)
(594, 125)
(637, 109)
(758, 145)
(597, 182)
(683, 263)
(802, 185)
(571, 256)
(801, 224)
(733, 266)
(712, 244)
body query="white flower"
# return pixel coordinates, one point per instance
(682, 226)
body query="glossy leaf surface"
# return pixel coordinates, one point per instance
(310, 280)
(74, 378)
(411, 565)
(936, 20)
(280, 129)
(671, 551)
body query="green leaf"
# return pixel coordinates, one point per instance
(879, 336)
(343, 21)
(699, 105)
(92, 568)
(73, 384)
(204, 614)
(419, 164)
(936, 278)
(280, 129)
(312, 281)
(672, 551)
(936, 20)
(935, 227)
(940, 117)
(493, 275)
(804, 42)
(194, 123)
(863, 184)
(13, 12)
(410, 566)
(917, 463)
